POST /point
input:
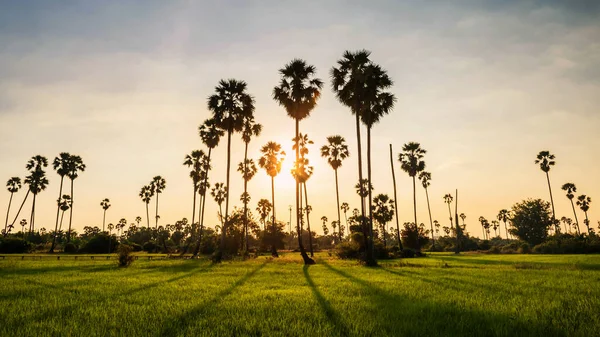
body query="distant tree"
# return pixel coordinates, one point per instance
(414, 236)
(546, 160)
(531, 220)
(23, 223)
(495, 227)
(335, 151)
(271, 161)
(504, 216)
(383, 212)
(13, 185)
(302, 171)
(138, 219)
(75, 166)
(345, 208)
(425, 178)
(483, 222)
(448, 200)
(264, 208)
(146, 193)
(219, 193)
(583, 201)
(194, 160)
(37, 182)
(412, 163)
(105, 204)
(158, 185)
(571, 189)
(61, 166)
(325, 229)
(247, 168)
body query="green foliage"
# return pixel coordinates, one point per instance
(348, 250)
(411, 233)
(70, 248)
(568, 244)
(13, 245)
(531, 220)
(125, 256)
(150, 247)
(99, 244)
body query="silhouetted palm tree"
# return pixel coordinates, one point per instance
(463, 217)
(194, 160)
(105, 204)
(36, 177)
(495, 226)
(483, 221)
(75, 166)
(298, 92)
(345, 208)
(335, 151)
(231, 105)
(158, 185)
(12, 185)
(146, 193)
(325, 229)
(263, 208)
(425, 178)
(271, 160)
(503, 216)
(583, 201)
(546, 161)
(448, 200)
(210, 134)
(383, 212)
(411, 160)
(219, 193)
(302, 171)
(398, 237)
(138, 219)
(23, 223)
(247, 167)
(61, 166)
(571, 189)
(64, 204)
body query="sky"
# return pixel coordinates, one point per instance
(482, 85)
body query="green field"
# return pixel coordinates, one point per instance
(468, 295)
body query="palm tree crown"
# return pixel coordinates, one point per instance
(298, 90)
(335, 151)
(210, 133)
(583, 201)
(13, 185)
(272, 158)
(411, 158)
(545, 160)
(570, 188)
(231, 105)
(425, 178)
(105, 204)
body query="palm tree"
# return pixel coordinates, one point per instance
(571, 189)
(345, 208)
(335, 151)
(194, 160)
(37, 177)
(271, 160)
(302, 171)
(583, 201)
(219, 193)
(383, 212)
(425, 178)
(503, 216)
(546, 160)
(210, 134)
(483, 221)
(411, 160)
(463, 217)
(105, 204)
(324, 220)
(247, 167)
(398, 237)
(13, 185)
(64, 204)
(75, 166)
(448, 200)
(138, 219)
(61, 166)
(231, 105)
(298, 92)
(158, 185)
(495, 226)
(263, 208)
(23, 223)
(146, 193)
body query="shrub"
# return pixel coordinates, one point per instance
(150, 247)
(408, 252)
(494, 250)
(12, 245)
(135, 247)
(125, 256)
(348, 250)
(70, 248)
(524, 248)
(99, 244)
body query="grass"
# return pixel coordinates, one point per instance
(441, 295)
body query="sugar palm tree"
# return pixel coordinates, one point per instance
(503, 216)
(398, 237)
(345, 208)
(37, 176)
(105, 204)
(231, 105)
(571, 189)
(463, 217)
(64, 204)
(75, 166)
(546, 160)
(159, 184)
(302, 171)
(412, 163)
(425, 178)
(146, 193)
(495, 226)
(194, 160)
(23, 223)
(13, 185)
(61, 166)
(298, 92)
(383, 212)
(219, 193)
(263, 208)
(271, 160)
(583, 201)
(448, 200)
(247, 167)
(483, 221)
(335, 151)
(324, 221)
(138, 219)
(210, 134)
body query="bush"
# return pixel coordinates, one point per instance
(99, 244)
(524, 248)
(13, 245)
(494, 250)
(125, 257)
(70, 248)
(150, 247)
(135, 247)
(348, 250)
(409, 252)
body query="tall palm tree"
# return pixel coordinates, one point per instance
(263, 208)
(336, 151)
(583, 201)
(194, 160)
(61, 166)
(398, 237)
(210, 134)
(271, 160)
(105, 204)
(75, 166)
(159, 184)
(383, 212)
(483, 222)
(345, 208)
(425, 178)
(571, 189)
(302, 171)
(219, 193)
(448, 200)
(495, 226)
(231, 105)
(298, 92)
(146, 193)
(37, 176)
(546, 160)
(503, 216)
(247, 167)
(412, 163)
(13, 185)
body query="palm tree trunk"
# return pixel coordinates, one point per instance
(458, 231)
(395, 201)
(506, 230)
(415, 210)
(245, 191)
(203, 201)
(70, 214)
(194, 216)
(62, 215)
(551, 201)
(20, 208)
(360, 179)
(575, 214)
(32, 220)
(587, 223)
(147, 216)
(8, 212)
(103, 220)
(430, 219)
(337, 197)
(371, 253)
(224, 229)
(450, 213)
(483, 230)
(307, 260)
(273, 247)
(312, 254)
(156, 215)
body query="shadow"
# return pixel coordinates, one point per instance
(177, 325)
(331, 315)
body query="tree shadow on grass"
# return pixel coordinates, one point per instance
(411, 316)
(177, 326)
(331, 315)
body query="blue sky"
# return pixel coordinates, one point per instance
(483, 85)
